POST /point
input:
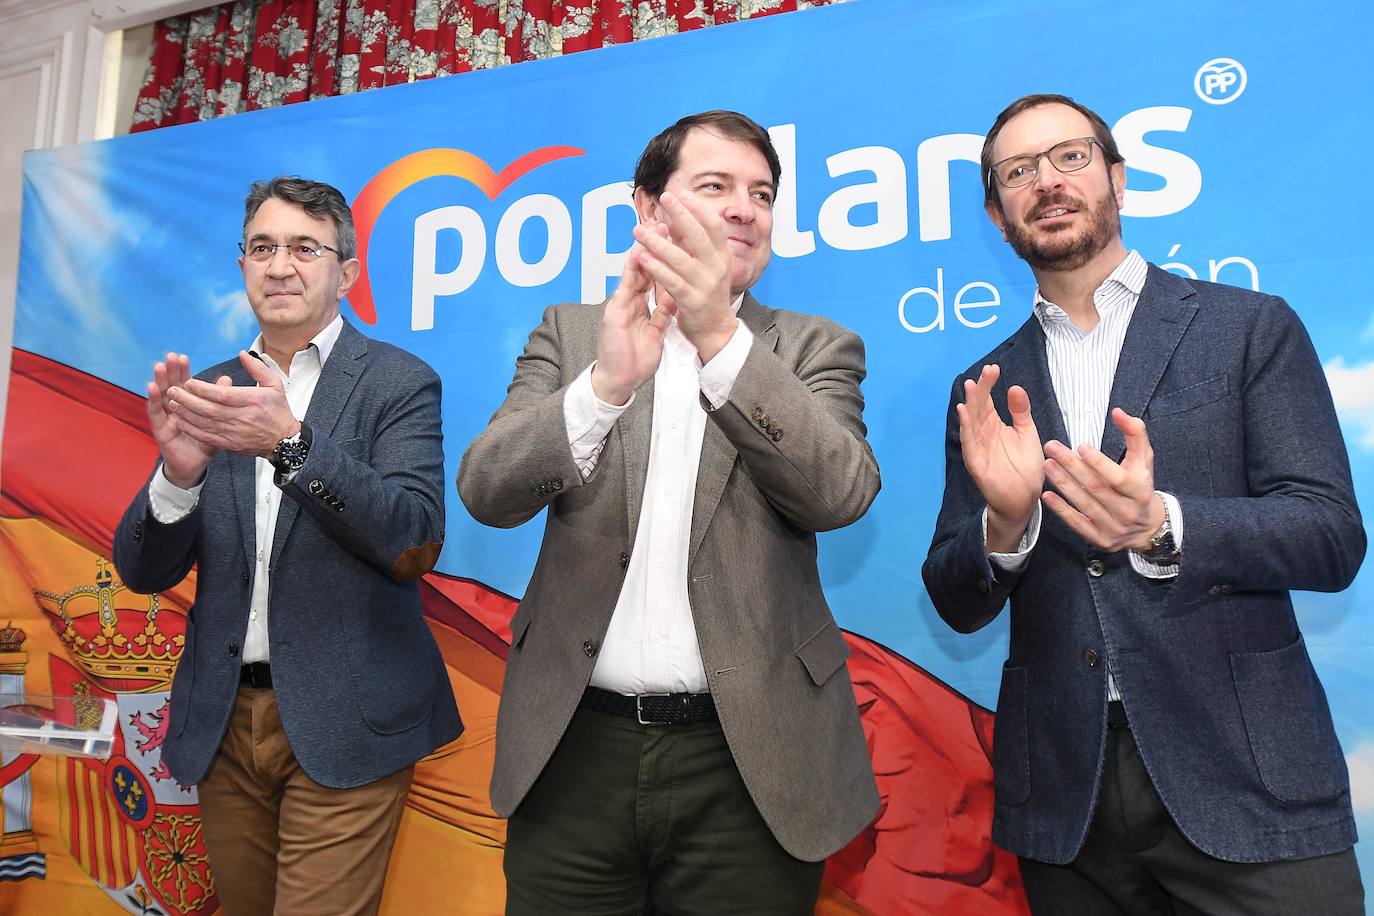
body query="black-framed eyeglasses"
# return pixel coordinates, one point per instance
(303, 252)
(1067, 156)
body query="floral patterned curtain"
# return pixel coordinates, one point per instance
(250, 54)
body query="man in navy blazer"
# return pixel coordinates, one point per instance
(305, 478)
(1163, 744)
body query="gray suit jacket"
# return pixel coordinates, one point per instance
(360, 684)
(1227, 711)
(774, 658)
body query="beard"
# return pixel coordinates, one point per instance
(1066, 248)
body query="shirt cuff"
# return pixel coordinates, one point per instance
(718, 376)
(1015, 562)
(588, 419)
(1155, 570)
(170, 503)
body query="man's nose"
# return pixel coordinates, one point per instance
(281, 264)
(739, 207)
(1047, 177)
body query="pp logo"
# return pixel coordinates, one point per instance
(1221, 80)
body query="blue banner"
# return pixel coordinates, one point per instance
(481, 199)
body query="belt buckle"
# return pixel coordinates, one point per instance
(639, 707)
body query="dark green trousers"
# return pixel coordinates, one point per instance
(648, 819)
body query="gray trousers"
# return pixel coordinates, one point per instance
(1136, 862)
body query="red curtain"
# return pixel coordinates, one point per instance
(250, 54)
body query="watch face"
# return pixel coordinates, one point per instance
(289, 455)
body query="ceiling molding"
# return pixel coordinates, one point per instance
(108, 15)
(16, 9)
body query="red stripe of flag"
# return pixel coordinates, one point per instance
(74, 825)
(92, 861)
(112, 823)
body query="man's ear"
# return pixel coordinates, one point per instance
(645, 203)
(348, 275)
(994, 210)
(1119, 183)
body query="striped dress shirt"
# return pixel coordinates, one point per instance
(1082, 369)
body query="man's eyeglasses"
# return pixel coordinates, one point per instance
(1068, 156)
(300, 251)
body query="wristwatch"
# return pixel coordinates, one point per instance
(1163, 549)
(289, 454)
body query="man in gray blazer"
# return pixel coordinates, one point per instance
(1163, 744)
(305, 478)
(678, 729)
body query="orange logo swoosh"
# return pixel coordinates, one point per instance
(429, 163)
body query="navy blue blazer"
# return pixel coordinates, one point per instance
(1228, 713)
(360, 685)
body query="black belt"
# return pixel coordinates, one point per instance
(652, 708)
(256, 674)
(1116, 714)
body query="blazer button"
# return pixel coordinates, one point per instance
(233, 650)
(984, 586)
(757, 414)
(138, 531)
(765, 422)
(624, 560)
(557, 484)
(1096, 568)
(245, 578)
(1222, 589)
(777, 434)
(1090, 658)
(316, 487)
(589, 647)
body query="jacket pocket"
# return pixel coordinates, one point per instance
(178, 713)
(823, 653)
(1288, 723)
(1189, 397)
(396, 670)
(1010, 739)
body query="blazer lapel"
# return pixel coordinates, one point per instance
(635, 428)
(1161, 316)
(1024, 363)
(717, 453)
(337, 380)
(243, 482)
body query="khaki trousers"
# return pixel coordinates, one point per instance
(278, 841)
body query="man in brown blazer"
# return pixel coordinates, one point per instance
(678, 729)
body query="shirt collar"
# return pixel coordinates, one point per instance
(1129, 275)
(323, 342)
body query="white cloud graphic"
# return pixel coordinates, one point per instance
(1352, 388)
(233, 316)
(83, 231)
(1360, 762)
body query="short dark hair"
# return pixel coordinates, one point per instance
(660, 158)
(1100, 130)
(314, 197)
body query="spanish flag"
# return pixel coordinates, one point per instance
(76, 449)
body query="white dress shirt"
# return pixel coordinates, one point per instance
(1082, 369)
(170, 503)
(651, 644)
